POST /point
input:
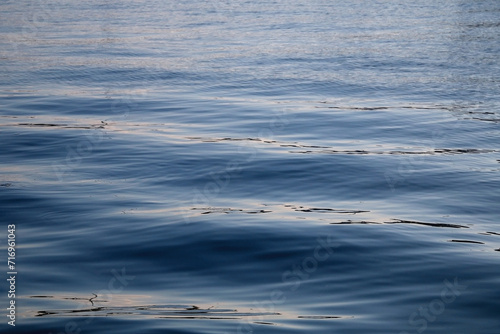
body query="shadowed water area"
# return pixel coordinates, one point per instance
(252, 167)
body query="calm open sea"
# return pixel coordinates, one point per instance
(251, 166)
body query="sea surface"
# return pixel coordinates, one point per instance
(251, 166)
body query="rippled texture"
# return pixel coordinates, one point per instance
(265, 167)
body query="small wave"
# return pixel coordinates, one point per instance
(164, 311)
(414, 107)
(398, 221)
(490, 233)
(324, 317)
(467, 241)
(62, 125)
(319, 149)
(325, 210)
(358, 222)
(443, 151)
(401, 221)
(210, 210)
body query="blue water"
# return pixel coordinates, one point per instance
(251, 167)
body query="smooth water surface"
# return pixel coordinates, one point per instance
(252, 167)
